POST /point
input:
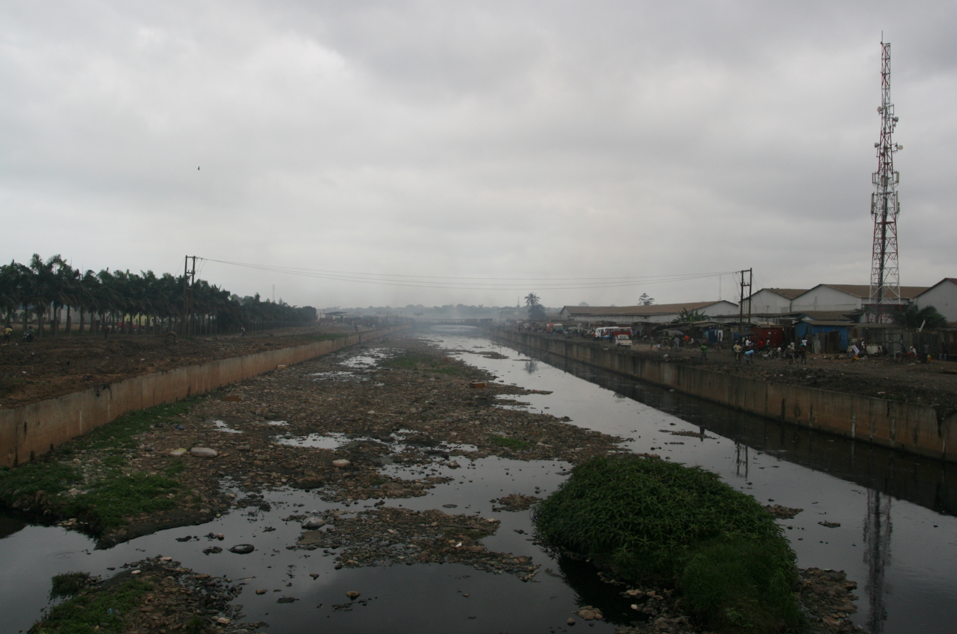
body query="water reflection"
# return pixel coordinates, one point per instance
(10, 524)
(923, 481)
(531, 366)
(877, 557)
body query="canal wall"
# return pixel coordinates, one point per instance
(31, 430)
(917, 429)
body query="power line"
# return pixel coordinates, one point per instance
(473, 283)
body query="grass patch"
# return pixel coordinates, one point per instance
(654, 521)
(100, 611)
(409, 362)
(112, 497)
(110, 502)
(68, 584)
(29, 479)
(121, 433)
(509, 443)
(422, 363)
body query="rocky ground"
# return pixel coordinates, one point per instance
(415, 407)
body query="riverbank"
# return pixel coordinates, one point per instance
(382, 428)
(923, 429)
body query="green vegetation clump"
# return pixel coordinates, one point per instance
(68, 584)
(422, 363)
(99, 612)
(30, 479)
(109, 496)
(122, 433)
(653, 521)
(116, 498)
(510, 443)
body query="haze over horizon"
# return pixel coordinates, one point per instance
(425, 152)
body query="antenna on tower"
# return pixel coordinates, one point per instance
(885, 205)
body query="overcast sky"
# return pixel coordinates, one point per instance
(523, 144)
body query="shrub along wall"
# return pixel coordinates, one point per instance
(918, 429)
(31, 430)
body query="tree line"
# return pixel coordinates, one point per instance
(58, 296)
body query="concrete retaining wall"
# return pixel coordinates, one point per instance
(918, 429)
(31, 430)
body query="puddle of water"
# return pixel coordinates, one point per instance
(367, 359)
(315, 441)
(397, 444)
(223, 427)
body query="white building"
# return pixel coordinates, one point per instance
(771, 301)
(844, 297)
(942, 296)
(654, 314)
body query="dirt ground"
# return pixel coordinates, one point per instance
(55, 366)
(933, 383)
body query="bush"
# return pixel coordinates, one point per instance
(651, 521)
(742, 586)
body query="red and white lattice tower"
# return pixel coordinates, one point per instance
(885, 278)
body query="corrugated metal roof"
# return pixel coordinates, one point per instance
(952, 280)
(841, 324)
(786, 293)
(639, 311)
(864, 292)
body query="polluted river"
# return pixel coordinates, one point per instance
(382, 534)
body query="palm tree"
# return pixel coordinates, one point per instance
(42, 288)
(532, 300)
(11, 290)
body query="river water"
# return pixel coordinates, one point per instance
(896, 522)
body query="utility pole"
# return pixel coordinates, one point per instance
(189, 278)
(745, 285)
(885, 291)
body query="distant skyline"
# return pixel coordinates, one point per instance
(424, 152)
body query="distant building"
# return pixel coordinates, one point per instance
(942, 296)
(845, 297)
(655, 313)
(772, 301)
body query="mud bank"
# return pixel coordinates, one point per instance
(909, 427)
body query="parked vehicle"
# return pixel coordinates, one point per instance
(612, 331)
(622, 340)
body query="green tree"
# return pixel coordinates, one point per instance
(644, 300)
(912, 317)
(535, 309)
(689, 316)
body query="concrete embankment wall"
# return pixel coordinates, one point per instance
(28, 431)
(918, 429)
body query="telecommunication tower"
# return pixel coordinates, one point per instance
(885, 278)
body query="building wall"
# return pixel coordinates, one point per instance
(766, 302)
(825, 298)
(943, 297)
